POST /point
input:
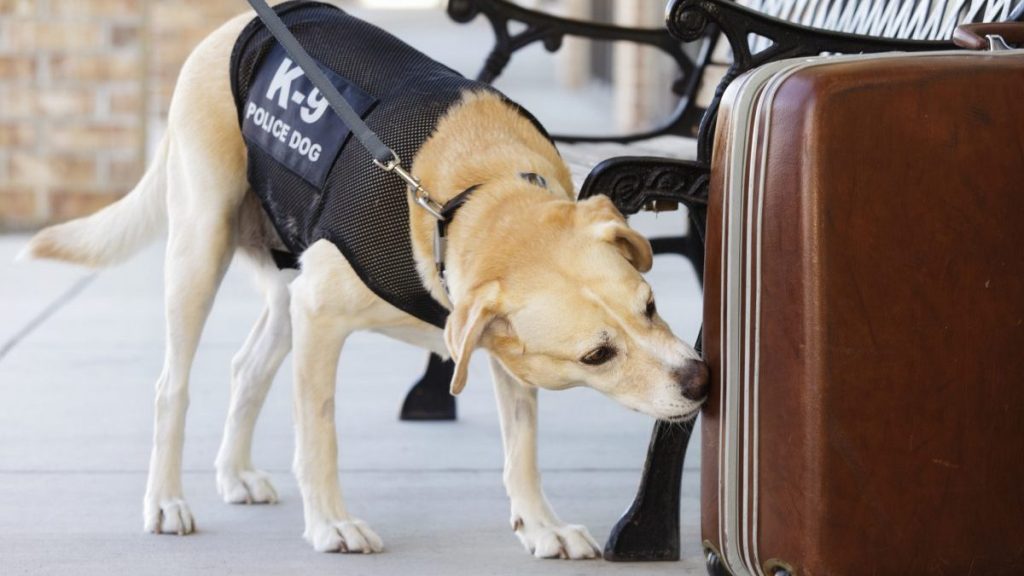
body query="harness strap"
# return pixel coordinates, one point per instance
(441, 235)
(284, 260)
(448, 211)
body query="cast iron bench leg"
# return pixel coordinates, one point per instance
(649, 530)
(429, 399)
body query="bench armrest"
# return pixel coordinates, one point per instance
(635, 182)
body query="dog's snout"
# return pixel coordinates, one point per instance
(693, 377)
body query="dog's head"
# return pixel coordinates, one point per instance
(569, 307)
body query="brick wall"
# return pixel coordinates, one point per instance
(84, 87)
(175, 27)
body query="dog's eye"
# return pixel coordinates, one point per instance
(651, 309)
(599, 355)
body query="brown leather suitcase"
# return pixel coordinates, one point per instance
(864, 318)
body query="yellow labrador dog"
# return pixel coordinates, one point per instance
(571, 310)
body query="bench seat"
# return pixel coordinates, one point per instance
(583, 156)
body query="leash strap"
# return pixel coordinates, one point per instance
(384, 157)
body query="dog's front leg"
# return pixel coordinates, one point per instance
(537, 526)
(318, 335)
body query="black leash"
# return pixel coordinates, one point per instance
(382, 155)
(368, 138)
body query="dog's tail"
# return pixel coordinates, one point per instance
(114, 233)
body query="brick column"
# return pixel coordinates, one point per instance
(642, 75)
(84, 88)
(71, 134)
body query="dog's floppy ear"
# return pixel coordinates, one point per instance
(466, 327)
(611, 227)
(632, 244)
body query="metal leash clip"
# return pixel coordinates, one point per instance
(419, 193)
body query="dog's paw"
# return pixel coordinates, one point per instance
(568, 541)
(345, 536)
(245, 487)
(170, 516)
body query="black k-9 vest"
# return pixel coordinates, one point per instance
(313, 181)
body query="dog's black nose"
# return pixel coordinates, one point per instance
(693, 377)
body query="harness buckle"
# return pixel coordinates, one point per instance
(419, 193)
(390, 165)
(424, 200)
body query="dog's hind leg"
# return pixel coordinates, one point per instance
(204, 193)
(252, 372)
(533, 521)
(323, 311)
(206, 183)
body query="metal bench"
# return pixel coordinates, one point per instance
(729, 39)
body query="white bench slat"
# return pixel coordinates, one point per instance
(583, 156)
(907, 19)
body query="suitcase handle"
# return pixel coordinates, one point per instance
(989, 35)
